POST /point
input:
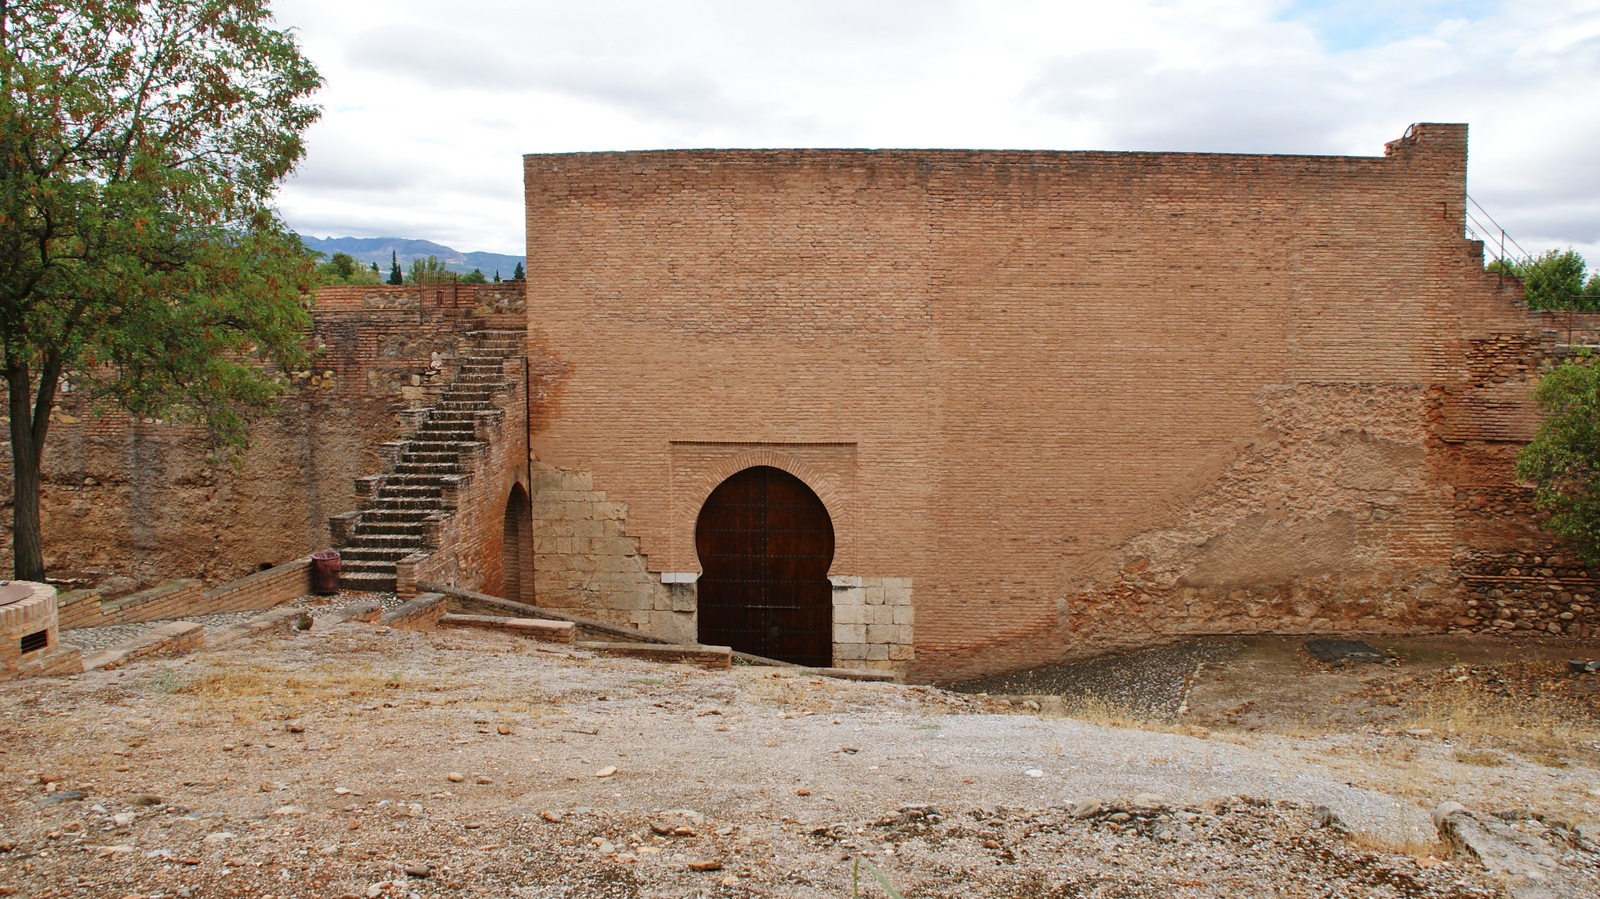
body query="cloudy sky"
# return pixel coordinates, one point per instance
(430, 106)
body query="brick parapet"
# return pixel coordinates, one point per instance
(188, 596)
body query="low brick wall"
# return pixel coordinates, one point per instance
(422, 613)
(168, 639)
(177, 599)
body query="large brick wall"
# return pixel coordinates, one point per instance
(129, 504)
(1079, 400)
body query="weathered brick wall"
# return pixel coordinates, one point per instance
(1080, 400)
(187, 596)
(471, 550)
(129, 504)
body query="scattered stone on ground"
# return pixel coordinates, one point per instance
(1150, 683)
(1339, 652)
(193, 783)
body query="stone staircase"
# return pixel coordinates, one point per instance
(406, 503)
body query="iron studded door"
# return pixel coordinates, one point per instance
(765, 543)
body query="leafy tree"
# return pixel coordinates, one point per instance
(1563, 461)
(427, 271)
(1554, 280)
(344, 269)
(395, 277)
(517, 274)
(140, 257)
(474, 277)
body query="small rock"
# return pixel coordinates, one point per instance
(228, 747)
(63, 796)
(802, 792)
(1148, 801)
(604, 847)
(705, 865)
(415, 870)
(485, 779)
(108, 851)
(295, 728)
(1085, 808)
(552, 817)
(607, 771)
(289, 811)
(1445, 810)
(1034, 772)
(1119, 817)
(125, 819)
(503, 730)
(455, 777)
(1324, 817)
(341, 791)
(221, 836)
(301, 622)
(990, 844)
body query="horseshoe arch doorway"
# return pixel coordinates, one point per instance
(765, 542)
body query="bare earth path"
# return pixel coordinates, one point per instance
(333, 762)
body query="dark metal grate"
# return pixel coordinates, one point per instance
(765, 543)
(35, 641)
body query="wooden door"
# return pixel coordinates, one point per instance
(765, 543)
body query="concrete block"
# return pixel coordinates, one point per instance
(904, 615)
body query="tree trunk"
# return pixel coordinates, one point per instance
(27, 545)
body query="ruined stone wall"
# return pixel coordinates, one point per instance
(129, 504)
(1078, 400)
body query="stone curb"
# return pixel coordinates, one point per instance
(176, 637)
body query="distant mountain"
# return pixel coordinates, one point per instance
(377, 249)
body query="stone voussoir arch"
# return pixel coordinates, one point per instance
(832, 499)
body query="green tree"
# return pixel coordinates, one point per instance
(140, 144)
(427, 271)
(474, 277)
(1563, 461)
(1554, 280)
(344, 269)
(517, 274)
(395, 276)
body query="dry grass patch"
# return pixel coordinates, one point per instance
(259, 690)
(1528, 708)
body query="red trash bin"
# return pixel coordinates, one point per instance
(325, 572)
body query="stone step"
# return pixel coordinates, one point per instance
(539, 628)
(370, 582)
(393, 516)
(429, 504)
(695, 654)
(398, 528)
(357, 558)
(363, 540)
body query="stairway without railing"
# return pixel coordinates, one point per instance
(408, 501)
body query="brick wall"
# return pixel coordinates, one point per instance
(1080, 400)
(128, 504)
(187, 596)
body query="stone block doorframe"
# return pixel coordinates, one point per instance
(517, 547)
(765, 542)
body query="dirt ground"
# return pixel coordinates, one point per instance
(359, 761)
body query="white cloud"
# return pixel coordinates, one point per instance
(429, 107)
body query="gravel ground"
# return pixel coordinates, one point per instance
(1149, 683)
(95, 639)
(334, 762)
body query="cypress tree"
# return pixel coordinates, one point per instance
(517, 274)
(395, 275)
